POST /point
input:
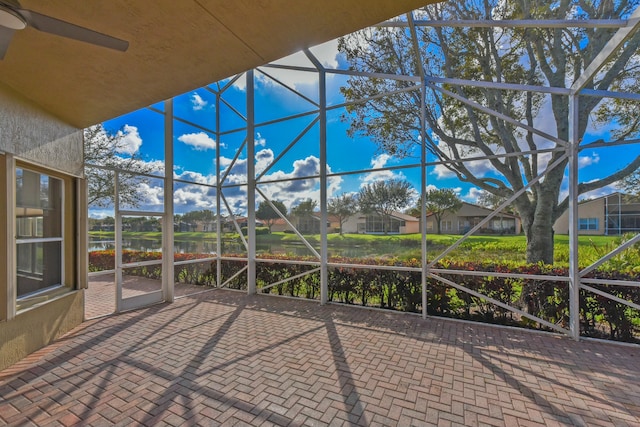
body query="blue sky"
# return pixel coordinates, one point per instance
(195, 149)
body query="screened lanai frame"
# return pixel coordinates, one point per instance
(576, 279)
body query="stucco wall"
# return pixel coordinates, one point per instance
(590, 209)
(32, 134)
(37, 327)
(35, 136)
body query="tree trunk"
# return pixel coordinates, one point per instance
(538, 229)
(540, 242)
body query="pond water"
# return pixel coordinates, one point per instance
(234, 247)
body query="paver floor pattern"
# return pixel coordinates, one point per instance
(225, 358)
(100, 295)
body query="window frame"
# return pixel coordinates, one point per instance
(588, 224)
(69, 192)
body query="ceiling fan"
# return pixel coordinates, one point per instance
(13, 18)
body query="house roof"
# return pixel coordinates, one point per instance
(174, 47)
(404, 217)
(487, 210)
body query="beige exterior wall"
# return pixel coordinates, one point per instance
(356, 224)
(411, 227)
(39, 326)
(590, 209)
(350, 226)
(34, 135)
(472, 214)
(40, 142)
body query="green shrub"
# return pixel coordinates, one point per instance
(394, 289)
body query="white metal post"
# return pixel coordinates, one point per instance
(218, 198)
(251, 186)
(574, 269)
(423, 199)
(324, 255)
(423, 162)
(168, 282)
(117, 234)
(324, 274)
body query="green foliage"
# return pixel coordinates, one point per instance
(111, 150)
(401, 290)
(192, 273)
(268, 215)
(306, 207)
(342, 207)
(440, 201)
(631, 183)
(262, 231)
(384, 198)
(457, 132)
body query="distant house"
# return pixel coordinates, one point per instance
(399, 223)
(279, 225)
(228, 225)
(612, 214)
(470, 215)
(206, 226)
(307, 224)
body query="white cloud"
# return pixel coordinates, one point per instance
(194, 197)
(259, 140)
(584, 161)
(473, 194)
(130, 140)
(196, 177)
(264, 158)
(326, 54)
(101, 213)
(606, 190)
(197, 102)
(478, 168)
(152, 195)
(200, 141)
(378, 162)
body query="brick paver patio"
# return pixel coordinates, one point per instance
(224, 358)
(100, 295)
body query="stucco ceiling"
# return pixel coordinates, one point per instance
(174, 46)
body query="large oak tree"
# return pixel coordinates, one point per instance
(457, 131)
(109, 151)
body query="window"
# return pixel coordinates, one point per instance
(39, 241)
(378, 224)
(588, 224)
(446, 225)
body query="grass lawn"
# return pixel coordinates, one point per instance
(483, 247)
(347, 239)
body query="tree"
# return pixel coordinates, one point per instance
(342, 207)
(384, 198)
(539, 56)
(493, 201)
(268, 215)
(305, 222)
(304, 208)
(630, 184)
(199, 215)
(108, 151)
(441, 201)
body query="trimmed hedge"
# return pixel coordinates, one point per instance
(402, 290)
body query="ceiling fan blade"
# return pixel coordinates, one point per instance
(6, 34)
(55, 26)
